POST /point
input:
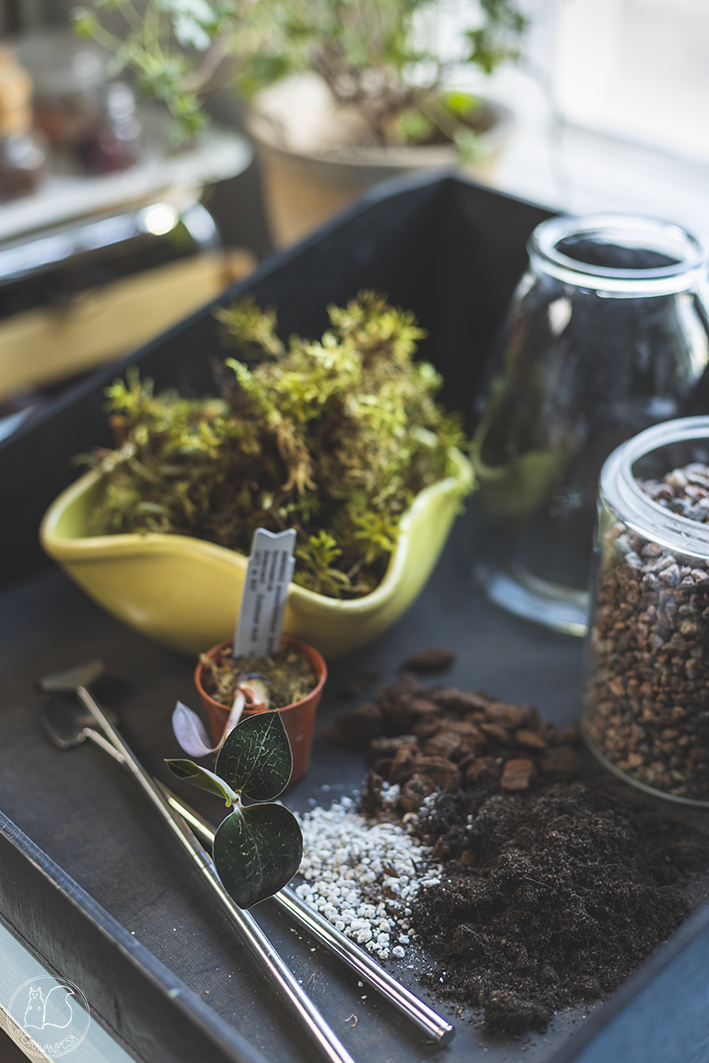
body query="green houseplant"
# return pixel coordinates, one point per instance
(340, 439)
(258, 846)
(343, 92)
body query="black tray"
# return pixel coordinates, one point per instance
(88, 880)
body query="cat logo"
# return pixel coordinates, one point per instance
(49, 1016)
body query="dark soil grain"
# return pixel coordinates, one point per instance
(553, 900)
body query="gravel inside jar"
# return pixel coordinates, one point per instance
(647, 698)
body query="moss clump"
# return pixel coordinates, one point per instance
(332, 437)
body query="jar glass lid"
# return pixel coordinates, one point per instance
(635, 507)
(619, 254)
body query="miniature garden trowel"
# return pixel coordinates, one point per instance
(77, 679)
(68, 726)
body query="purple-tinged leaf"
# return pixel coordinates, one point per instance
(190, 732)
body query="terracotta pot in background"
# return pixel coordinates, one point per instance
(298, 718)
(312, 164)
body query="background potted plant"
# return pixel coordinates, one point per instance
(342, 93)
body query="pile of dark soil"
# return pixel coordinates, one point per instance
(560, 895)
(552, 893)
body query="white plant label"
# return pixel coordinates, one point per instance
(271, 564)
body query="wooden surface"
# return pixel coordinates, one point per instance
(40, 347)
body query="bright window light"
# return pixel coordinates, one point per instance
(636, 68)
(159, 218)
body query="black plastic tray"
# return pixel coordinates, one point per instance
(88, 880)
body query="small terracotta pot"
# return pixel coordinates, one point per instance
(298, 718)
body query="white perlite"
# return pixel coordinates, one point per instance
(345, 853)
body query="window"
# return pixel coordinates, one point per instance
(636, 68)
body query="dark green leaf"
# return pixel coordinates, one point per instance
(257, 850)
(201, 777)
(256, 758)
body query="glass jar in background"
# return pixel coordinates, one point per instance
(70, 76)
(607, 335)
(21, 157)
(646, 696)
(89, 120)
(114, 142)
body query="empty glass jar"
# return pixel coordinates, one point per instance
(646, 698)
(607, 335)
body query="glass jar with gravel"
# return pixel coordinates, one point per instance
(646, 698)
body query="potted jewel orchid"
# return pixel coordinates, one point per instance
(261, 671)
(273, 686)
(341, 93)
(258, 846)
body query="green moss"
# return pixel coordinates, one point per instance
(332, 437)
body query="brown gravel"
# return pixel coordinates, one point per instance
(433, 660)
(424, 740)
(647, 699)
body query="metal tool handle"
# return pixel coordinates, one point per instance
(432, 1024)
(257, 942)
(428, 1020)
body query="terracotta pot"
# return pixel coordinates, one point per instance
(312, 164)
(298, 718)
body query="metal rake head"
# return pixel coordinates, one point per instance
(64, 721)
(82, 675)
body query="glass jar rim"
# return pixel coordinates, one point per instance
(632, 505)
(633, 231)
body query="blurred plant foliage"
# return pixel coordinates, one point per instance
(379, 56)
(332, 437)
